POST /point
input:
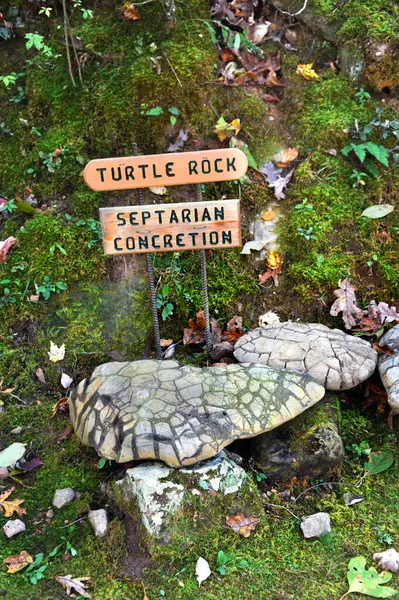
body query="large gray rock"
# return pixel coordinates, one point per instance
(158, 495)
(181, 415)
(307, 446)
(334, 359)
(388, 367)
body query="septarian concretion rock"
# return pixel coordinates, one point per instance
(181, 415)
(388, 367)
(334, 359)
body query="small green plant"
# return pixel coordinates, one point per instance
(226, 562)
(94, 226)
(163, 303)
(51, 160)
(362, 96)
(7, 297)
(86, 13)
(358, 177)
(362, 449)
(383, 537)
(34, 40)
(103, 462)
(65, 546)
(156, 111)
(9, 206)
(19, 95)
(364, 149)
(372, 260)
(232, 39)
(10, 79)
(308, 233)
(47, 287)
(57, 246)
(45, 10)
(304, 207)
(35, 572)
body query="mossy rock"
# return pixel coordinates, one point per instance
(308, 446)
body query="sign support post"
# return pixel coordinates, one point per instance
(204, 283)
(150, 273)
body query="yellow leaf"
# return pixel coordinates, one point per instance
(56, 353)
(11, 506)
(268, 215)
(16, 562)
(274, 259)
(226, 130)
(307, 72)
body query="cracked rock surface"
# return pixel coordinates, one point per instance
(388, 367)
(153, 409)
(334, 359)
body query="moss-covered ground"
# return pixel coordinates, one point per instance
(127, 68)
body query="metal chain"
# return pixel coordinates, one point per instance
(204, 283)
(150, 273)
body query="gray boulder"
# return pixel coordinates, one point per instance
(308, 446)
(334, 359)
(181, 415)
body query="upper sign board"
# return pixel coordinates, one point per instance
(205, 166)
(171, 227)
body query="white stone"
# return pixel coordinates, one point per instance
(14, 527)
(63, 497)
(315, 525)
(99, 521)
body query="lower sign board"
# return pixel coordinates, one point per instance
(129, 172)
(171, 227)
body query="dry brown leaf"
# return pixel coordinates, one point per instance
(165, 343)
(234, 330)
(227, 55)
(11, 506)
(40, 375)
(74, 584)
(130, 12)
(384, 349)
(346, 303)
(64, 434)
(62, 403)
(17, 562)
(241, 524)
(285, 157)
(268, 215)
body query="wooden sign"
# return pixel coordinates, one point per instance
(165, 169)
(171, 227)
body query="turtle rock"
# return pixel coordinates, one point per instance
(388, 367)
(181, 415)
(334, 359)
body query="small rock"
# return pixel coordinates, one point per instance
(99, 521)
(222, 350)
(16, 431)
(4, 473)
(50, 514)
(315, 525)
(63, 497)
(14, 527)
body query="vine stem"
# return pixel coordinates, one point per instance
(344, 596)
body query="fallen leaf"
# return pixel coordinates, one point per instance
(378, 462)
(271, 172)
(30, 464)
(130, 12)
(241, 524)
(258, 31)
(269, 98)
(383, 312)
(274, 259)
(280, 184)
(268, 215)
(40, 375)
(66, 381)
(285, 157)
(346, 303)
(5, 247)
(12, 454)
(56, 353)
(74, 584)
(159, 190)
(226, 130)
(64, 434)
(11, 506)
(202, 570)
(145, 597)
(274, 262)
(352, 500)
(234, 330)
(384, 349)
(253, 245)
(307, 72)
(388, 560)
(170, 352)
(180, 141)
(227, 55)
(165, 343)
(17, 562)
(368, 581)
(378, 211)
(62, 403)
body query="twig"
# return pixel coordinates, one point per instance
(325, 483)
(66, 43)
(142, 3)
(29, 487)
(286, 12)
(174, 72)
(74, 50)
(73, 523)
(284, 507)
(14, 396)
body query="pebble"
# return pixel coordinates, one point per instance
(4, 473)
(50, 514)
(315, 525)
(16, 431)
(14, 527)
(63, 497)
(99, 521)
